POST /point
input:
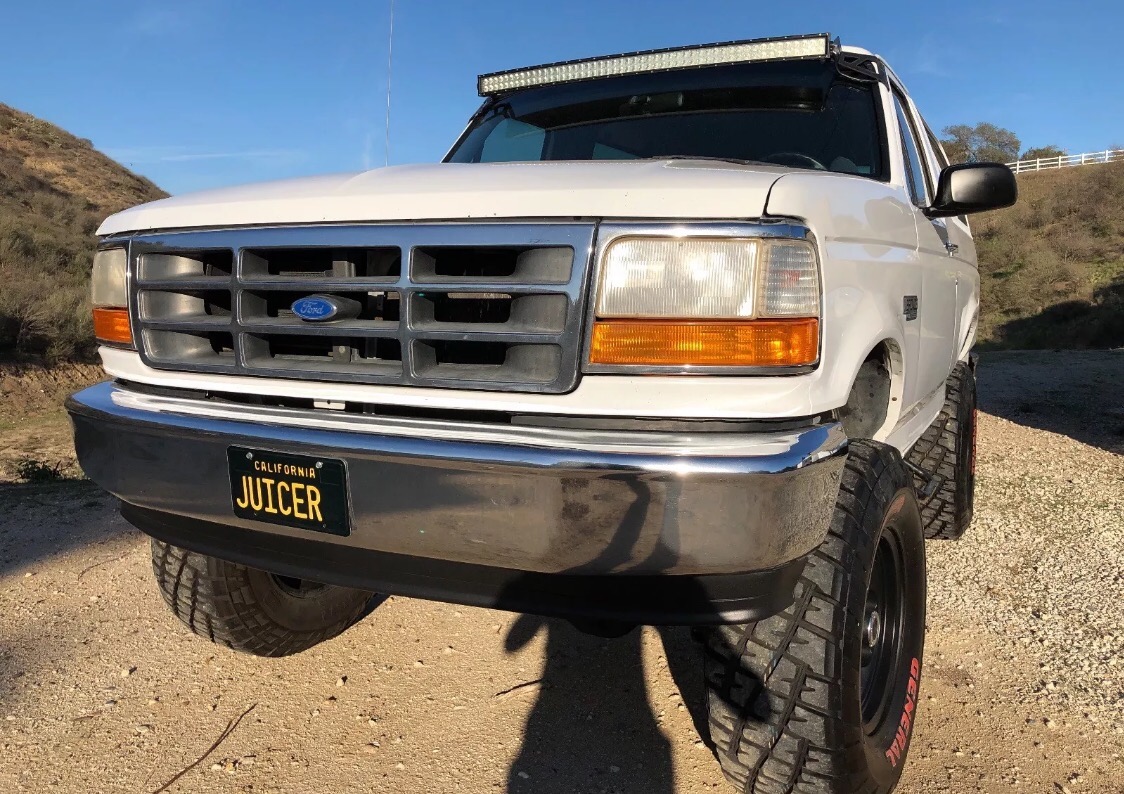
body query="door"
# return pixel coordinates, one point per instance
(937, 315)
(962, 250)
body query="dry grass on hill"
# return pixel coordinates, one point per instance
(54, 191)
(1052, 266)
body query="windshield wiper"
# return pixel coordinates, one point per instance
(734, 160)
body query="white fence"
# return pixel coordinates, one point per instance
(1066, 160)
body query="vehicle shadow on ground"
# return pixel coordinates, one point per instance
(1080, 398)
(40, 522)
(592, 727)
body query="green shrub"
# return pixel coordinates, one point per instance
(37, 471)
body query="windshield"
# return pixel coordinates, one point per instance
(800, 114)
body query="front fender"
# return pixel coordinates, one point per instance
(867, 238)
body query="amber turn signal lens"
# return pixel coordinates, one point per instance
(746, 343)
(112, 325)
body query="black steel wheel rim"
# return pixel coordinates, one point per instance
(882, 632)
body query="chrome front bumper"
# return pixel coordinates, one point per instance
(502, 499)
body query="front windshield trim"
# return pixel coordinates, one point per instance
(478, 114)
(875, 165)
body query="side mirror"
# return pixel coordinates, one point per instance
(973, 187)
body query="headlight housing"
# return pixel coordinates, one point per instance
(109, 295)
(683, 302)
(704, 278)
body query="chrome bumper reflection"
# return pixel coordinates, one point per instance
(524, 498)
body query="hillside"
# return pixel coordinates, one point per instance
(54, 191)
(1052, 266)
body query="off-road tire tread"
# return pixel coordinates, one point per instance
(937, 452)
(214, 599)
(804, 745)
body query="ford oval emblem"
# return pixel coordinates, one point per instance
(316, 308)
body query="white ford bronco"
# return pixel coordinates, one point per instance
(675, 338)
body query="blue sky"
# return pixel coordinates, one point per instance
(202, 93)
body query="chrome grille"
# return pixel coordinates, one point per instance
(474, 306)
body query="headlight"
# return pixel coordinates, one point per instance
(714, 302)
(678, 278)
(109, 295)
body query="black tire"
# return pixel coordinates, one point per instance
(251, 610)
(948, 450)
(796, 703)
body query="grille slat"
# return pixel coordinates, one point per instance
(342, 284)
(204, 323)
(316, 284)
(186, 283)
(362, 328)
(470, 306)
(489, 333)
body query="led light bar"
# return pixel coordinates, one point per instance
(753, 50)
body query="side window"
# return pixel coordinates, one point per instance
(942, 161)
(915, 170)
(513, 141)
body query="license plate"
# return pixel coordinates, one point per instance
(292, 490)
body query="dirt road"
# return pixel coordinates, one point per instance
(102, 690)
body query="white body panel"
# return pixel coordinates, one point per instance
(953, 259)
(938, 316)
(465, 191)
(875, 248)
(595, 395)
(868, 249)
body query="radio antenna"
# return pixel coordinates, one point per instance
(389, 64)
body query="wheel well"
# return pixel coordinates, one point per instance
(873, 392)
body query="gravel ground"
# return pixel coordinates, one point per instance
(102, 690)
(33, 427)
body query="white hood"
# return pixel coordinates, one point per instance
(696, 189)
